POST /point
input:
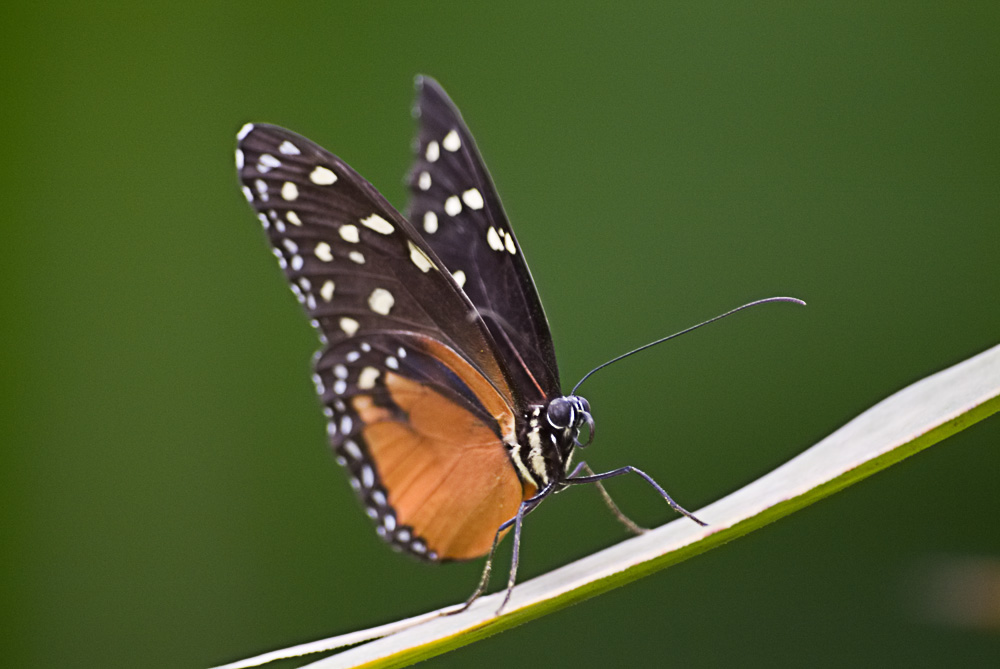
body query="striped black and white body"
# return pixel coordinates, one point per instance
(547, 437)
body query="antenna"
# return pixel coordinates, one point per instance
(678, 334)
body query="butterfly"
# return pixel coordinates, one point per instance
(437, 374)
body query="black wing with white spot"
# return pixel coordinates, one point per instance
(355, 264)
(455, 206)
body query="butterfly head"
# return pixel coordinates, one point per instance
(566, 416)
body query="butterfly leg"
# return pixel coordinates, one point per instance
(526, 507)
(595, 478)
(484, 580)
(629, 524)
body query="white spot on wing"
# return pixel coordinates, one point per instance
(349, 326)
(433, 152)
(424, 181)
(493, 238)
(430, 222)
(293, 218)
(419, 258)
(381, 301)
(378, 224)
(266, 163)
(459, 278)
(473, 198)
(324, 252)
(349, 233)
(367, 378)
(244, 131)
(357, 257)
(289, 191)
(289, 149)
(239, 159)
(326, 292)
(248, 194)
(352, 449)
(452, 206)
(367, 476)
(297, 263)
(508, 242)
(451, 141)
(322, 176)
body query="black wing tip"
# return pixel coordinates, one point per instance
(431, 95)
(426, 85)
(421, 80)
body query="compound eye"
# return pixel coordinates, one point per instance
(560, 413)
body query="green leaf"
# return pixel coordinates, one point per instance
(899, 426)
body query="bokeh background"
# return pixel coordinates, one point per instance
(167, 496)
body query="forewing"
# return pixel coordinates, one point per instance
(455, 206)
(352, 261)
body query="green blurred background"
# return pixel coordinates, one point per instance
(168, 498)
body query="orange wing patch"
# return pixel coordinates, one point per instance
(448, 474)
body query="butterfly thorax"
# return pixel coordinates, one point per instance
(547, 437)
